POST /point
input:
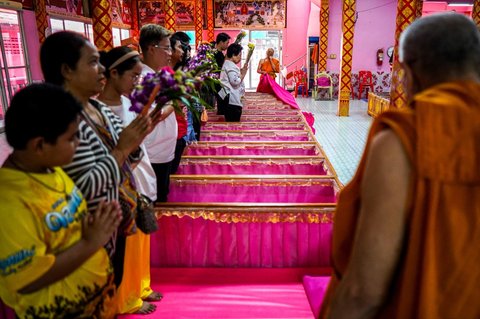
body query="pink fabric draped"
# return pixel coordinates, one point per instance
(227, 150)
(187, 242)
(240, 191)
(252, 126)
(268, 85)
(254, 168)
(212, 136)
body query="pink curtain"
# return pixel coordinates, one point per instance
(187, 242)
(228, 150)
(252, 191)
(230, 168)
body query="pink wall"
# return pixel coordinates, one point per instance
(33, 45)
(374, 29)
(295, 35)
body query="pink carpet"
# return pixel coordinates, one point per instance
(231, 293)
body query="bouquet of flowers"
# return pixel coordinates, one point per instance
(177, 86)
(251, 48)
(242, 34)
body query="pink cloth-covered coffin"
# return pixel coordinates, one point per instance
(250, 149)
(260, 118)
(245, 136)
(252, 126)
(252, 190)
(253, 166)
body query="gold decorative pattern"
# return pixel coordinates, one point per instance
(347, 55)
(170, 16)
(253, 215)
(406, 14)
(377, 104)
(41, 19)
(210, 22)
(476, 12)
(102, 24)
(324, 15)
(198, 22)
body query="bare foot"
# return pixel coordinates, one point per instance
(146, 308)
(154, 296)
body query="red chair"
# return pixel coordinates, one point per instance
(300, 79)
(365, 80)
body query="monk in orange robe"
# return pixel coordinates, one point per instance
(406, 240)
(269, 65)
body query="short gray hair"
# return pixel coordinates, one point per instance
(152, 34)
(441, 45)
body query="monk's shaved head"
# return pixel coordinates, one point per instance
(441, 47)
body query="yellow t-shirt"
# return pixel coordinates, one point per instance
(37, 223)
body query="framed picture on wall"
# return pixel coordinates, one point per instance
(153, 11)
(121, 13)
(150, 11)
(65, 7)
(250, 14)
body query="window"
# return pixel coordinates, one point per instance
(85, 28)
(13, 62)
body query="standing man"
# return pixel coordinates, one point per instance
(160, 143)
(221, 44)
(269, 65)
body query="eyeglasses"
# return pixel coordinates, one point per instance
(166, 48)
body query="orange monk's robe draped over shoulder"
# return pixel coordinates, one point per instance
(438, 275)
(266, 65)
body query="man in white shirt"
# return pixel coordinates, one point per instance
(160, 143)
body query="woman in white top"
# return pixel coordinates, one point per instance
(123, 68)
(231, 79)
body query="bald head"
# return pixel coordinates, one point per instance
(441, 47)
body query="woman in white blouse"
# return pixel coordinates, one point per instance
(231, 79)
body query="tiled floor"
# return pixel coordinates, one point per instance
(342, 138)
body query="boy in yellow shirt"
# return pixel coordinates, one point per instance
(52, 260)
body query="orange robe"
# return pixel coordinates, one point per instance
(438, 275)
(266, 66)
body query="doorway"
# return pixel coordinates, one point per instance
(262, 40)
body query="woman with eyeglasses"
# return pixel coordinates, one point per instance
(122, 71)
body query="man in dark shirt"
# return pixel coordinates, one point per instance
(221, 44)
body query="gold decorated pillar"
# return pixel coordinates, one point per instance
(198, 22)
(102, 24)
(476, 12)
(347, 54)
(418, 9)
(210, 22)
(134, 18)
(170, 18)
(323, 45)
(41, 19)
(406, 14)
